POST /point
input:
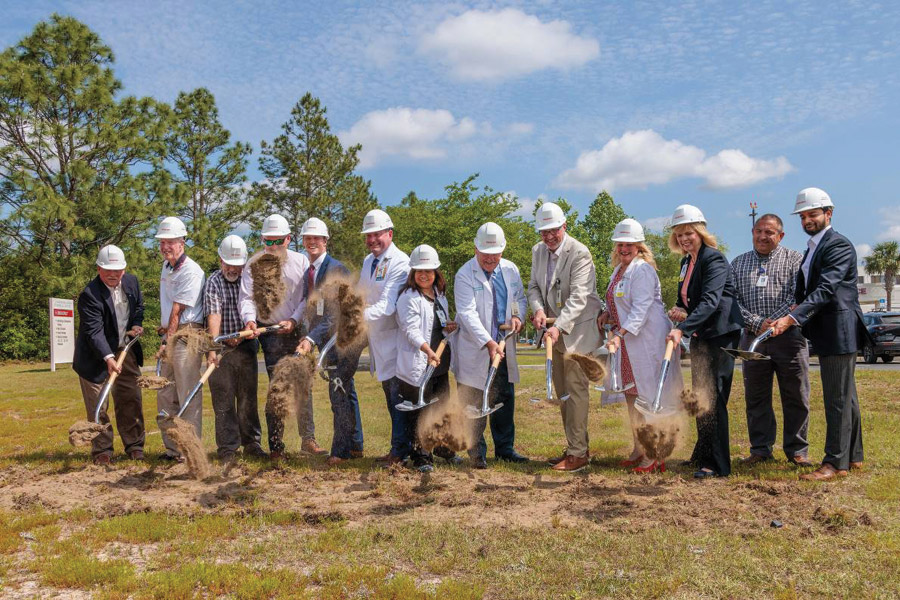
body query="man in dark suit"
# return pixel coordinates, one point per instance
(110, 308)
(348, 438)
(828, 311)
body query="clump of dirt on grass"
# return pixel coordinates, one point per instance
(695, 404)
(82, 433)
(445, 424)
(268, 285)
(184, 436)
(659, 439)
(291, 381)
(152, 382)
(592, 368)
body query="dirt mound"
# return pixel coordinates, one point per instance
(291, 381)
(695, 404)
(445, 424)
(185, 437)
(82, 433)
(659, 439)
(268, 285)
(152, 382)
(593, 368)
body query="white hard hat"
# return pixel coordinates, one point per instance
(111, 258)
(811, 198)
(628, 230)
(171, 228)
(275, 225)
(233, 251)
(549, 216)
(423, 257)
(490, 239)
(314, 226)
(685, 214)
(376, 220)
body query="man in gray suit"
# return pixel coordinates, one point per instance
(564, 285)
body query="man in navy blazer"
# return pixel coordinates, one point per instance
(110, 308)
(828, 311)
(348, 438)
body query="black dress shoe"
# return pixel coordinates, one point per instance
(513, 457)
(479, 463)
(705, 474)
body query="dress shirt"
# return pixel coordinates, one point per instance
(120, 303)
(812, 244)
(773, 300)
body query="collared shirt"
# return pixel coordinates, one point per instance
(183, 284)
(293, 273)
(773, 300)
(318, 265)
(120, 303)
(221, 298)
(812, 244)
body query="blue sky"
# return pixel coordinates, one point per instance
(709, 103)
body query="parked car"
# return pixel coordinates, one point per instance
(884, 330)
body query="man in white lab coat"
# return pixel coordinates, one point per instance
(383, 272)
(489, 292)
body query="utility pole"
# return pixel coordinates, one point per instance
(753, 214)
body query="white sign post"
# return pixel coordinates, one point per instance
(62, 331)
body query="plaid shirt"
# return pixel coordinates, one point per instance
(774, 300)
(221, 298)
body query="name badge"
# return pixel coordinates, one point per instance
(320, 307)
(620, 289)
(381, 271)
(683, 272)
(763, 281)
(479, 288)
(558, 298)
(515, 310)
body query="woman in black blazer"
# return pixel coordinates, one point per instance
(707, 312)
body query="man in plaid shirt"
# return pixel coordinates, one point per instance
(765, 279)
(234, 383)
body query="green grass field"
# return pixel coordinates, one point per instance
(299, 530)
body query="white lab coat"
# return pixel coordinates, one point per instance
(415, 316)
(474, 307)
(380, 289)
(639, 304)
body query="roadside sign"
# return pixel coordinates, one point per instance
(62, 331)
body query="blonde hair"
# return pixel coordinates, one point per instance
(707, 238)
(643, 251)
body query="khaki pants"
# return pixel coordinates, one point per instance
(568, 378)
(183, 368)
(126, 399)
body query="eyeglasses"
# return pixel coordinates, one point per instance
(278, 242)
(550, 232)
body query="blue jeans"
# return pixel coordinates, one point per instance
(348, 435)
(401, 444)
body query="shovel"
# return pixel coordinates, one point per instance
(320, 364)
(406, 405)
(614, 365)
(240, 335)
(654, 409)
(209, 369)
(485, 410)
(104, 393)
(750, 353)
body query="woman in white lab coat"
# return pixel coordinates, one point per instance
(639, 328)
(423, 317)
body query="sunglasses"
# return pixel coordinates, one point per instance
(278, 242)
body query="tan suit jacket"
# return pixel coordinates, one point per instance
(572, 297)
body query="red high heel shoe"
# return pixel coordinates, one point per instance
(628, 463)
(651, 468)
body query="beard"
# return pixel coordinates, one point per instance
(230, 278)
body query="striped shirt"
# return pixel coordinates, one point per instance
(221, 298)
(772, 300)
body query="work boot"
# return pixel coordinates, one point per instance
(102, 459)
(311, 447)
(136, 455)
(571, 464)
(255, 451)
(479, 462)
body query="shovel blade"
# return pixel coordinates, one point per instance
(745, 354)
(407, 406)
(473, 412)
(647, 411)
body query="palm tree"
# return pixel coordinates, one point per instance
(884, 260)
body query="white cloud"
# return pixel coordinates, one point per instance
(418, 134)
(494, 45)
(890, 223)
(642, 158)
(863, 250)
(526, 205)
(657, 224)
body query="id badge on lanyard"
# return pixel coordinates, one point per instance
(762, 279)
(620, 289)
(683, 272)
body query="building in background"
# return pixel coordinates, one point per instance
(871, 291)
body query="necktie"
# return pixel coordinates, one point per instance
(372, 271)
(551, 264)
(310, 279)
(495, 325)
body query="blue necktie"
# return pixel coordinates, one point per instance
(495, 325)
(372, 271)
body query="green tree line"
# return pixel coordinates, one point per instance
(83, 164)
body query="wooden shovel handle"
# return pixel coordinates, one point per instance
(209, 369)
(548, 342)
(670, 347)
(439, 351)
(497, 358)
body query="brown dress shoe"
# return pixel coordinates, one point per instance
(856, 465)
(800, 461)
(388, 460)
(356, 454)
(557, 459)
(102, 459)
(311, 447)
(334, 461)
(571, 464)
(755, 459)
(824, 473)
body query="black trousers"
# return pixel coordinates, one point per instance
(439, 386)
(711, 374)
(843, 433)
(503, 426)
(790, 365)
(233, 386)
